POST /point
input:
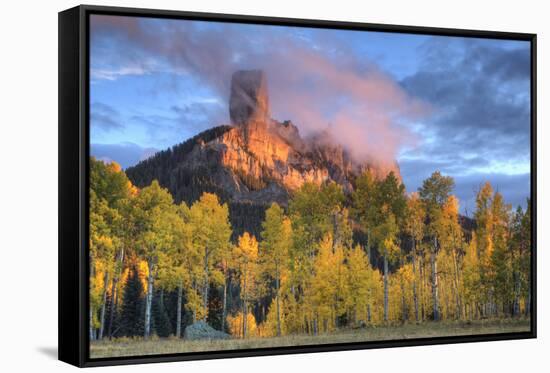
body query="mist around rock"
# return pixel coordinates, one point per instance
(256, 159)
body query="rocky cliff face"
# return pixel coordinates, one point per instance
(257, 159)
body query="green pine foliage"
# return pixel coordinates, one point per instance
(130, 322)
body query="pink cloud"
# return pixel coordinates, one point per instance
(320, 84)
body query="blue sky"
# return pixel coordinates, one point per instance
(458, 105)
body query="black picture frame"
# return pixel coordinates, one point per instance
(74, 150)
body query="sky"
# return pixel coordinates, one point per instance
(457, 105)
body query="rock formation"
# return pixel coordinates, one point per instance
(257, 160)
(201, 330)
(249, 101)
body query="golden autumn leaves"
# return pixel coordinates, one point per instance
(328, 261)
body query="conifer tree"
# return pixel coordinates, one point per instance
(133, 306)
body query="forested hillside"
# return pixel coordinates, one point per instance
(328, 261)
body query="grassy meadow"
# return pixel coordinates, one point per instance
(138, 346)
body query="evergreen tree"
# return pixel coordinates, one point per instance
(133, 306)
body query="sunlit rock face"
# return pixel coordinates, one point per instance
(262, 160)
(259, 148)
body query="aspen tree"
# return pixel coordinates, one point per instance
(245, 257)
(434, 193)
(275, 246)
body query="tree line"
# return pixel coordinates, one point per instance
(326, 261)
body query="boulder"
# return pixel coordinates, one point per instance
(201, 330)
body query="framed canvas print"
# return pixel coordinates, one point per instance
(234, 186)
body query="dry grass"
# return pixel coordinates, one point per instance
(129, 347)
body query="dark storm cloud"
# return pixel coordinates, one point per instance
(126, 154)
(506, 64)
(480, 128)
(104, 117)
(480, 94)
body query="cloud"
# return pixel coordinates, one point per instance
(126, 153)
(104, 117)
(199, 115)
(480, 95)
(515, 188)
(465, 111)
(185, 119)
(480, 128)
(314, 80)
(114, 74)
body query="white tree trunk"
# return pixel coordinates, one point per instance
(245, 308)
(385, 288)
(114, 292)
(422, 288)
(91, 324)
(103, 305)
(459, 305)
(415, 295)
(205, 286)
(149, 301)
(224, 305)
(404, 312)
(435, 293)
(278, 305)
(178, 310)
(91, 308)
(528, 303)
(112, 308)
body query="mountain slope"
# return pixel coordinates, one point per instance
(253, 162)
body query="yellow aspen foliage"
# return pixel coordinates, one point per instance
(96, 290)
(416, 258)
(235, 325)
(143, 273)
(292, 316)
(359, 284)
(245, 257)
(269, 327)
